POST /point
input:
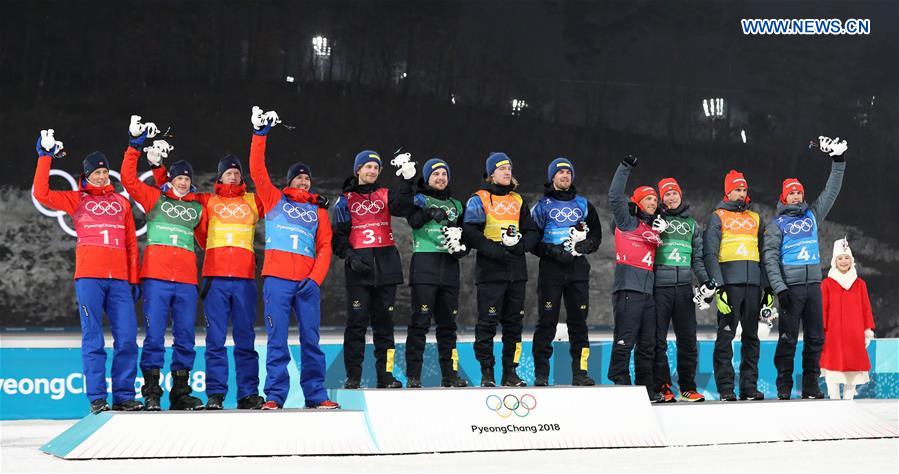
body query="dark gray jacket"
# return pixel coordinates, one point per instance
(670, 275)
(626, 276)
(739, 272)
(781, 276)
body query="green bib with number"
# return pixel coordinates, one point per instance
(677, 242)
(172, 222)
(427, 237)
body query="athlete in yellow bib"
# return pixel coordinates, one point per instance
(731, 246)
(498, 225)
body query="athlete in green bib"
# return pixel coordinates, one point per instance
(172, 222)
(434, 276)
(677, 260)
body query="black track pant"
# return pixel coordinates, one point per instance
(549, 303)
(442, 304)
(635, 326)
(804, 307)
(746, 303)
(369, 305)
(675, 304)
(501, 302)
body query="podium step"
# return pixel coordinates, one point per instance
(118, 435)
(405, 421)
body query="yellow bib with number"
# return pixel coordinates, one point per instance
(739, 236)
(232, 221)
(500, 212)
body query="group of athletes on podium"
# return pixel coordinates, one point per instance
(741, 264)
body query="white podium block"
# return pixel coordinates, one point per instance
(769, 421)
(116, 435)
(504, 418)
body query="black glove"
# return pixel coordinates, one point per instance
(558, 253)
(630, 160)
(584, 247)
(517, 249)
(322, 201)
(135, 292)
(436, 214)
(784, 299)
(360, 265)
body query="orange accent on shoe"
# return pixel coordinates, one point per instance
(692, 396)
(327, 405)
(271, 405)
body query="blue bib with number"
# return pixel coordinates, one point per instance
(291, 227)
(800, 239)
(559, 216)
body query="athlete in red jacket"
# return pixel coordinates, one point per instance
(226, 231)
(106, 264)
(297, 257)
(168, 274)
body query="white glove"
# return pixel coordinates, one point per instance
(136, 128)
(578, 235)
(659, 224)
(50, 143)
(511, 240)
(869, 336)
(834, 147)
(405, 165)
(158, 151)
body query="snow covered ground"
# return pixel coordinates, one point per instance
(20, 441)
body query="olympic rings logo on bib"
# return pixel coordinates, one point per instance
(799, 226)
(509, 404)
(367, 207)
(678, 227)
(99, 208)
(297, 213)
(231, 211)
(450, 211)
(565, 214)
(736, 223)
(60, 215)
(178, 211)
(504, 207)
(652, 237)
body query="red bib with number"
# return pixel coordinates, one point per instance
(637, 247)
(100, 220)
(369, 220)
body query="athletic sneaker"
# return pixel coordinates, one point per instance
(128, 405)
(813, 396)
(512, 380)
(325, 405)
(453, 380)
(752, 396)
(783, 396)
(351, 384)
(582, 380)
(215, 401)
(691, 396)
(667, 394)
(728, 397)
(413, 382)
(271, 405)
(541, 381)
(98, 406)
(250, 402)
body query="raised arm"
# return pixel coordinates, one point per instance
(617, 197)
